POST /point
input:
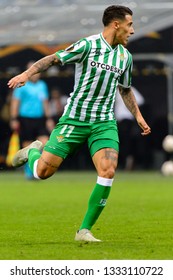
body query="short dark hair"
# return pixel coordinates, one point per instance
(115, 12)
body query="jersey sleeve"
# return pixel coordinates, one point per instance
(75, 53)
(126, 78)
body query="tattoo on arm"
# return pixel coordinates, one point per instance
(129, 100)
(42, 65)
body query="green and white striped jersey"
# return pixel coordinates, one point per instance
(98, 70)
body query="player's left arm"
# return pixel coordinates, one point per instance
(131, 104)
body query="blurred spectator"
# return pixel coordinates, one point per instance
(30, 113)
(56, 103)
(127, 132)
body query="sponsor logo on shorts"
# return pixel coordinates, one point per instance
(60, 138)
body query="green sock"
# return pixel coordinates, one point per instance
(33, 155)
(96, 204)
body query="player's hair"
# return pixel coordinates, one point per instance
(115, 12)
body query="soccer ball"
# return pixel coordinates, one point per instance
(167, 143)
(167, 168)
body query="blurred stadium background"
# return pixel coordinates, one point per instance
(31, 29)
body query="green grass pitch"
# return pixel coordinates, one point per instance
(38, 219)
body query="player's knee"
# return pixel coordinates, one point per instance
(110, 173)
(107, 173)
(106, 170)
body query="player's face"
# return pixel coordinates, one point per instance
(124, 30)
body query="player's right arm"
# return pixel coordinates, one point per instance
(38, 67)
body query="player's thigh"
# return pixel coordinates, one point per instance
(104, 147)
(66, 139)
(103, 135)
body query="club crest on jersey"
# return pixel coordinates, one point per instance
(60, 138)
(121, 56)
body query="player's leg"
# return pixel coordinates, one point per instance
(64, 140)
(43, 165)
(105, 158)
(27, 170)
(105, 161)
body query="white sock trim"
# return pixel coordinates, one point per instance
(35, 170)
(104, 181)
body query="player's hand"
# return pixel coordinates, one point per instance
(145, 127)
(18, 81)
(146, 130)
